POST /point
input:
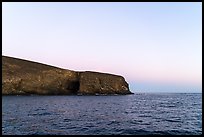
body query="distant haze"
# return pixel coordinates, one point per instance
(157, 47)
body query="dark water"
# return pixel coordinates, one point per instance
(138, 114)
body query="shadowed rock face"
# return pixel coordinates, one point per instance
(21, 77)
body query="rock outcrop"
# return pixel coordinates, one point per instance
(102, 83)
(22, 77)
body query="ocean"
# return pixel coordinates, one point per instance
(136, 114)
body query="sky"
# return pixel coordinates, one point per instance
(156, 46)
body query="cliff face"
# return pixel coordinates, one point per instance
(101, 83)
(21, 77)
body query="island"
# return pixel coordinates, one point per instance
(23, 77)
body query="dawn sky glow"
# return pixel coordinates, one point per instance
(147, 43)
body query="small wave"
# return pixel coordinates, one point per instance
(144, 116)
(171, 106)
(136, 121)
(39, 109)
(67, 120)
(172, 120)
(40, 114)
(113, 122)
(145, 123)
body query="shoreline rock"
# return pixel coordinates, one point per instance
(23, 77)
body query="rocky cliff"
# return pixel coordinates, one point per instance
(22, 77)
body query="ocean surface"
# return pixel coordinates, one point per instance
(138, 114)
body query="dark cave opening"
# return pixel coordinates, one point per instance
(73, 86)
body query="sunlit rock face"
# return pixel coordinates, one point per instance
(22, 77)
(102, 83)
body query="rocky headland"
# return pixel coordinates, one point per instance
(22, 77)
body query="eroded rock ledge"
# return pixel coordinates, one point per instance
(22, 77)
